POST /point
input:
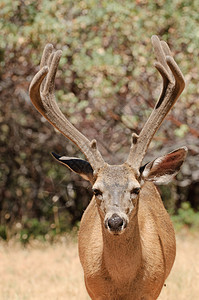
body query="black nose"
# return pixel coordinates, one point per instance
(115, 223)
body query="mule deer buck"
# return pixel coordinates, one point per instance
(126, 239)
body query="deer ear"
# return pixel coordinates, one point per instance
(77, 165)
(163, 169)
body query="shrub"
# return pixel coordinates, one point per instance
(106, 87)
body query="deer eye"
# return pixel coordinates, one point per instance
(97, 192)
(135, 191)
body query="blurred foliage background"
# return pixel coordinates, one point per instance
(107, 86)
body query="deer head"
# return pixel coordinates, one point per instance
(116, 188)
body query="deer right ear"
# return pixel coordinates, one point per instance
(164, 168)
(77, 165)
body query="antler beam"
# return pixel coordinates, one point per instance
(173, 85)
(42, 96)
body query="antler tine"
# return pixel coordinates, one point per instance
(173, 85)
(42, 96)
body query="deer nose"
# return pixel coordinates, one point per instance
(115, 223)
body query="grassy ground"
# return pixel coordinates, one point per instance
(53, 272)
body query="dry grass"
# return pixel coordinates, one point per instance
(54, 272)
(183, 281)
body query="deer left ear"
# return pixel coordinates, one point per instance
(77, 165)
(164, 168)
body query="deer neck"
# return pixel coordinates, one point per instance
(122, 253)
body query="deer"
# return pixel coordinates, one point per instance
(126, 239)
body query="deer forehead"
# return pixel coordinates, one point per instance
(116, 177)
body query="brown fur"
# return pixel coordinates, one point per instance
(135, 264)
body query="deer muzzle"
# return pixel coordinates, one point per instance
(115, 224)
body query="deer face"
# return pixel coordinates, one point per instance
(116, 191)
(116, 188)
